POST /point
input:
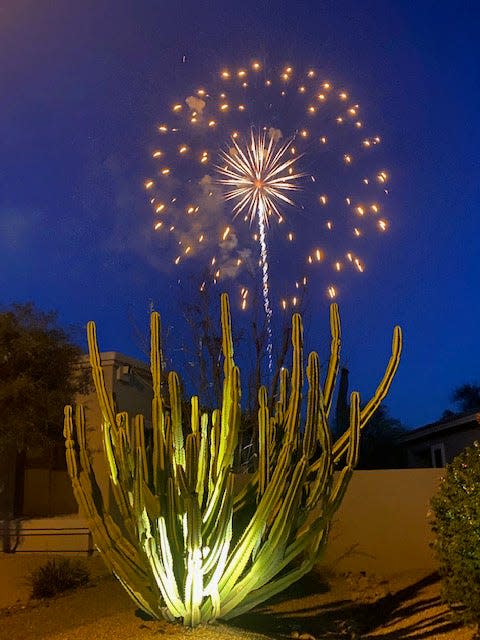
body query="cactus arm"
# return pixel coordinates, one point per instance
(342, 443)
(72, 464)
(214, 450)
(272, 440)
(293, 412)
(227, 340)
(109, 427)
(211, 609)
(155, 354)
(202, 478)
(87, 492)
(387, 379)
(323, 468)
(228, 367)
(191, 465)
(281, 405)
(159, 462)
(215, 538)
(332, 370)
(119, 491)
(324, 436)
(355, 420)
(176, 418)
(283, 388)
(82, 438)
(213, 508)
(225, 427)
(82, 477)
(343, 478)
(139, 425)
(182, 482)
(158, 426)
(161, 561)
(263, 442)
(194, 574)
(228, 441)
(124, 448)
(169, 451)
(105, 401)
(109, 453)
(172, 519)
(353, 446)
(313, 406)
(195, 418)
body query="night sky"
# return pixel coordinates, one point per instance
(83, 86)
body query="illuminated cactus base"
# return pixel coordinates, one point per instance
(184, 544)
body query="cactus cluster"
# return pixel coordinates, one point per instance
(187, 539)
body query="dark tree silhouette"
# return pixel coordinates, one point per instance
(380, 445)
(39, 374)
(467, 398)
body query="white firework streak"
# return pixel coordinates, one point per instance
(265, 286)
(259, 176)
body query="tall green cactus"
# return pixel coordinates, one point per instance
(181, 539)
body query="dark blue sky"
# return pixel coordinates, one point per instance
(82, 86)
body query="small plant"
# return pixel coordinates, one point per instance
(57, 576)
(456, 509)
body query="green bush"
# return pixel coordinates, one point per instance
(57, 576)
(456, 509)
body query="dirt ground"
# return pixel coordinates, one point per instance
(351, 607)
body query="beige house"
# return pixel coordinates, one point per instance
(47, 490)
(436, 444)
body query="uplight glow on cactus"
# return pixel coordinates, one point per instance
(185, 544)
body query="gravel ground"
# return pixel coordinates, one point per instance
(100, 612)
(348, 607)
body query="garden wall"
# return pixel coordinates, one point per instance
(382, 524)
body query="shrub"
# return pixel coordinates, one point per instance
(456, 509)
(57, 576)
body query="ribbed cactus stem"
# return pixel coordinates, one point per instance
(333, 364)
(185, 544)
(380, 393)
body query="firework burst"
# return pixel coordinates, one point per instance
(259, 175)
(260, 170)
